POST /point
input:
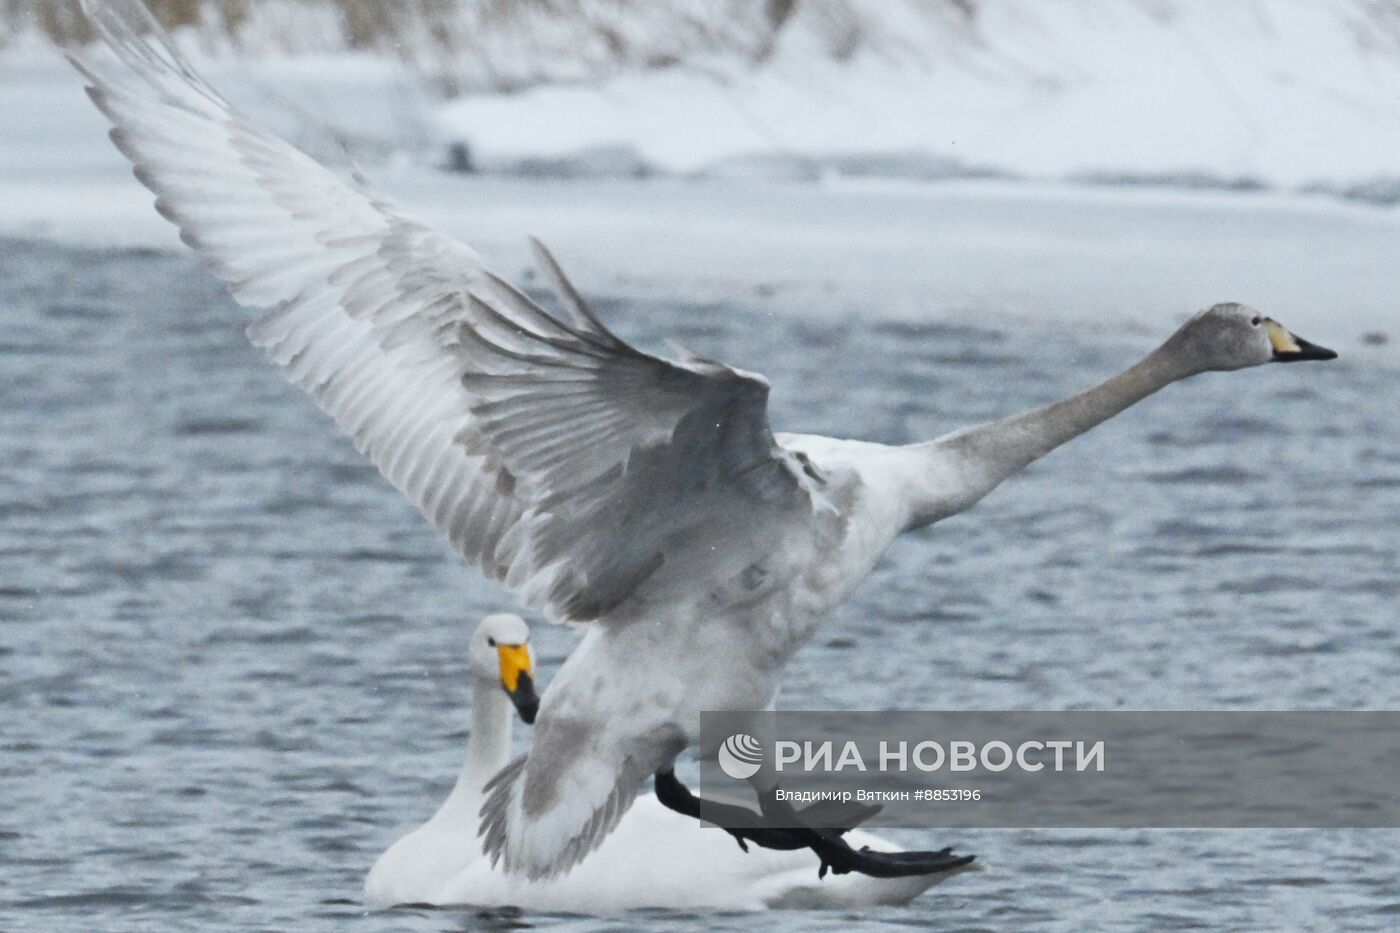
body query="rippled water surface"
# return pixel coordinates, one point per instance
(232, 658)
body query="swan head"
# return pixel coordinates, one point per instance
(1234, 336)
(500, 654)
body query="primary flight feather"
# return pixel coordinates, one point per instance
(598, 482)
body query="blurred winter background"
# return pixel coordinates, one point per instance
(1239, 94)
(610, 128)
(231, 656)
(1246, 94)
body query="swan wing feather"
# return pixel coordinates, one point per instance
(559, 459)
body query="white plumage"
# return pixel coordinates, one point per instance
(600, 483)
(656, 857)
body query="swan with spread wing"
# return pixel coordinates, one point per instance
(657, 858)
(644, 497)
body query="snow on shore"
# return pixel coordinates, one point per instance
(823, 242)
(1245, 94)
(1235, 94)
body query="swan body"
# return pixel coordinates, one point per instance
(417, 866)
(645, 497)
(656, 857)
(659, 858)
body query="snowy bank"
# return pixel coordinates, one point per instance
(1240, 94)
(1299, 95)
(827, 245)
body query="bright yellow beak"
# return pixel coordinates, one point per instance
(515, 660)
(1290, 348)
(1281, 339)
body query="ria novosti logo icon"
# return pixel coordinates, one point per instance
(740, 756)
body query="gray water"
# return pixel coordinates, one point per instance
(232, 657)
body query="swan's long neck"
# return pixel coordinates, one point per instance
(966, 465)
(488, 746)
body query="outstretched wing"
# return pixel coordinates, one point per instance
(562, 461)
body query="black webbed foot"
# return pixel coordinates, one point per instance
(780, 826)
(842, 859)
(743, 824)
(839, 857)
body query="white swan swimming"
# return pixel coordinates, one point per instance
(655, 858)
(415, 869)
(602, 484)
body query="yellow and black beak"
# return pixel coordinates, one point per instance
(518, 679)
(1291, 349)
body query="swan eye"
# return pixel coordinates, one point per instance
(1257, 320)
(490, 641)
